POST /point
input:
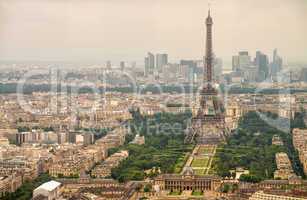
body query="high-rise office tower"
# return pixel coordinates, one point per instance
(276, 65)
(149, 64)
(108, 64)
(146, 71)
(250, 74)
(235, 63)
(262, 62)
(161, 60)
(218, 69)
(122, 65)
(191, 67)
(151, 61)
(241, 61)
(275, 55)
(184, 73)
(244, 59)
(304, 75)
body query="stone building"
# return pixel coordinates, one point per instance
(299, 137)
(187, 181)
(10, 183)
(272, 196)
(104, 170)
(276, 140)
(102, 188)
(284, 167)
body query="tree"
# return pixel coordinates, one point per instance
(147, 188)
(250, 147)
(250, 178)
(298, 121)
(161, 150)
(225, 188)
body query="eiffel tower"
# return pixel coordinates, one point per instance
(208, 125)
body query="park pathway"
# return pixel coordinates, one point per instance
(201, 158)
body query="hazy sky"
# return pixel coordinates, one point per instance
(99, 30)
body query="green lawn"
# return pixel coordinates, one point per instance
(180, 163)
(205, 150)
(175, 193)
(199, 171)
(200, 162)
(212, 170)
(197, 193)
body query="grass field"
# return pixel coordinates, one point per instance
(205, 150)
(212, 169)
(199, 171)
(200, 162)
(197, 193)
(180, 163)
(175, 193)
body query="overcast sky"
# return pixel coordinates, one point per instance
(99, 30)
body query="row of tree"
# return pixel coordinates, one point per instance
(250, 147)
(162, 150)
(8, 88)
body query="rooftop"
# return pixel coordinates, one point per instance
(50, 186)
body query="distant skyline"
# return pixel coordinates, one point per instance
(100, 30)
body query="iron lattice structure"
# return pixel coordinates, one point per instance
(208, 125)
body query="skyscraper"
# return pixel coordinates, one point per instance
(122, 65)
(108, 64)
(244, 59)
(161, 60)
(151, 61)
(304, 75)
(241, 61)
(235, 63)
(191, 67)
(276, 65)
(262, 61)
(146, 61)
(218, 69)
(149, 64)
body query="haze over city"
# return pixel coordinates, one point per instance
(153, 100)
(126, 30)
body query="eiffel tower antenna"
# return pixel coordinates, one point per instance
(209, 7)
(210, 3)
